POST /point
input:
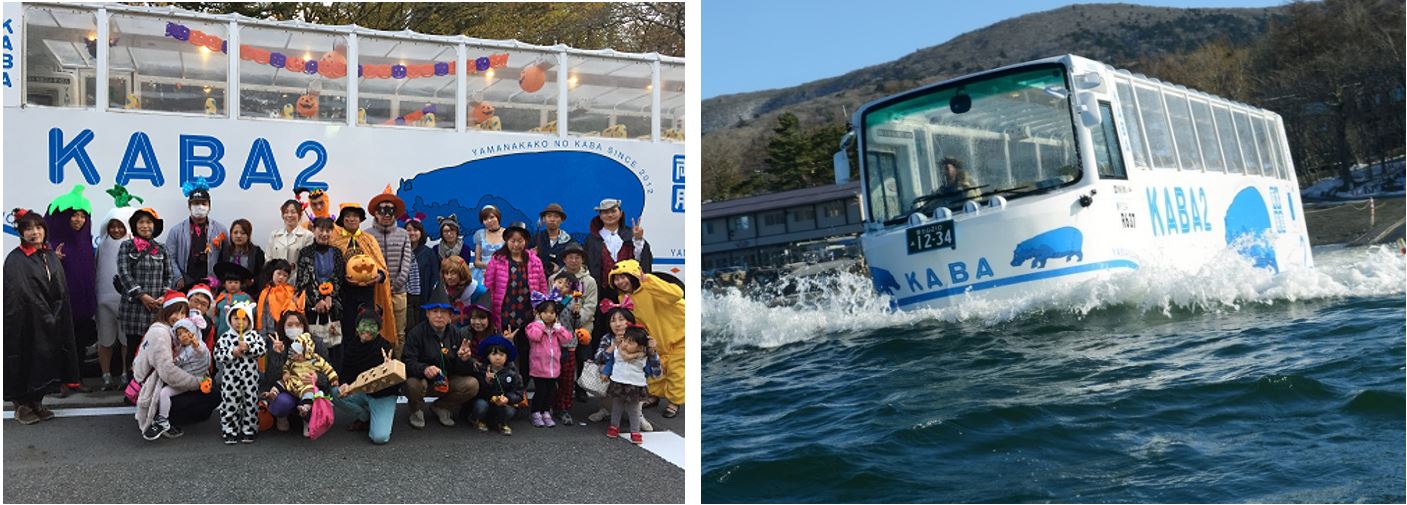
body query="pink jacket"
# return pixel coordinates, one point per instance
(545, 353)
(496, 280)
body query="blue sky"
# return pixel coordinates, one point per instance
(751, 45)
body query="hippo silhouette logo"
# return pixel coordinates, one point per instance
(1066, 242)
(1247, 217)
(521, 185)
(884, 282)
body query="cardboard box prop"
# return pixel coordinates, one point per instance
(389, 373)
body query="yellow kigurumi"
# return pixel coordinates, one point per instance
(659, 305)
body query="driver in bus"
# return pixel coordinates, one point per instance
(956, 180)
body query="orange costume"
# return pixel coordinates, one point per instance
(342, 239)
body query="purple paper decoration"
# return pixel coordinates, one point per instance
(441, 69)
(398, 71)
(359, 70)
(481, 64)
(179, 32)
(311, 67)
(277, 59)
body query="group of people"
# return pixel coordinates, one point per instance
(203, 318)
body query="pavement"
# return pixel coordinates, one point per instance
(92, 452)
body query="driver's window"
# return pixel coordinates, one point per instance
(1106, 146)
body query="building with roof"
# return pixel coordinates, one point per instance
(803, 225)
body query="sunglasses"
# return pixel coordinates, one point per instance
(386, 211)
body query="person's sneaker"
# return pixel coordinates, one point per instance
(44, 413)
(359, 425)
(537, 420)
(305, 430)
(505, 430)
(158, 427)
(600, 415)
(281, 423)
(417, 419)
(645, 424)
(547, 420)
(636, 439)
(613, 432)
(108, 384)
(567, 419)
(446, 417)
(247, 438)
(482, 426)
(174, 432)
(231, 440)
(26, 414)
(580, 394)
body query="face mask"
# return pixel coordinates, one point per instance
(200, 210)
(293, 331)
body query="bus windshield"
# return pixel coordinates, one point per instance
(1009, 134)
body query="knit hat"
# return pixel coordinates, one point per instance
(200, 289)
(450, 220)
(173, 297)
(189, 325)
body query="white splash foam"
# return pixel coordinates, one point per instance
(849, 303)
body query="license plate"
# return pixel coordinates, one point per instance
(931, 236)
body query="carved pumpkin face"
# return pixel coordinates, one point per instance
(532, 78)
(307, 106)
(361, 269)
(482, 112)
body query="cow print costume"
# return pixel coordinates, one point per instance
(239, 384)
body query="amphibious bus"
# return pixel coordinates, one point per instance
(153, 98)
(1065, 170)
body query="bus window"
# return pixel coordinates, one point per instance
(172, 75)
(1206, 135)
(1226, 131)
(1106, 146)
(271, 84)
(884, 202)
(1155, 126)
(1248, 143)
(609, 97)
(671, 102)
(1132, 125)
(59, 45)
(521, 87)
(1183, 132)
(1269, 159)
(1277, 137)
(414, 99)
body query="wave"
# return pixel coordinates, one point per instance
(845, 303)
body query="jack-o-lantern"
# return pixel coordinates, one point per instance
(333, 64)
(307, 106)
(481, 112)
(361, 269)
(532, 78)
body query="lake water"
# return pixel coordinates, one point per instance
(1225, 385)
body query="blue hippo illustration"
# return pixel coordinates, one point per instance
(1247, 215)
(1064, 242)
(884, 282)
(521, 185)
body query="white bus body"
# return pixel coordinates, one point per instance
(1078, 170)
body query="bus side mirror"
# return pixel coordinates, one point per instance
(842, 167)
(841, 162)
(1088, 107)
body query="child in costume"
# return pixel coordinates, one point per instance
(201, 304)
(277, 297)
(628, 388)
(547, 336)
(237, 352)
(503, 387)
(112, 233)
(232, 278)
(300, 374)
(192, 356)
(570, 317)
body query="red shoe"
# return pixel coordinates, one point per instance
(613, 432)
(636, 439)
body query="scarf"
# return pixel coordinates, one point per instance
(447, 249)
(144, 244)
